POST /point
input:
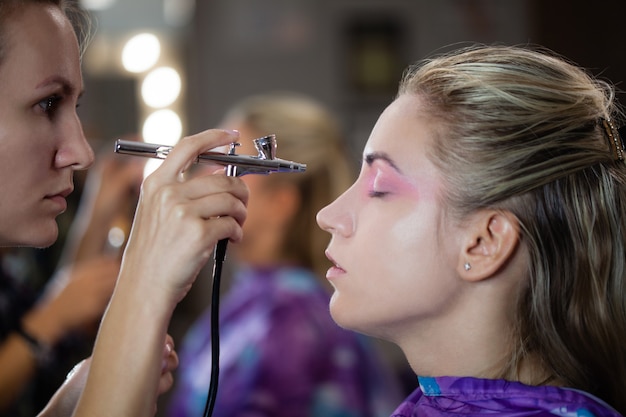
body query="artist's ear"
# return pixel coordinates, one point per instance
(489, 243)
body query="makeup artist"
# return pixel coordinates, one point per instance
(178, 220)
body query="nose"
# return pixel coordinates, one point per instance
(74, 150)
(336, 218)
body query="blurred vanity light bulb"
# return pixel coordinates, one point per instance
(141, 52)
(163, 127)
(116, 237)
(161, 87)
(97, 4)
(151, 166)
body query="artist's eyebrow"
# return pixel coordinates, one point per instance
(66, 86)
(370, 158)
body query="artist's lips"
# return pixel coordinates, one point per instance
(334, 271)
(59, 199)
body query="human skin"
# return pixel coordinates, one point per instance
(399, 256)
(177, 225)
(40, 133)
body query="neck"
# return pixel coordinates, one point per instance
(475, 350)
(473, 337)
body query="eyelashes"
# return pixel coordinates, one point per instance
(378, 186)
(50, 104)
(377, 194)
(375, 185)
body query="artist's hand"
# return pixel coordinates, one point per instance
(179, 220)
(169, 365)
(65, 399)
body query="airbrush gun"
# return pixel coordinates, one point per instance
(236, 165)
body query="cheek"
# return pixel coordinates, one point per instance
(413, 238)
(383, 285)
(396, 244)
(17, 156)
(409, 244)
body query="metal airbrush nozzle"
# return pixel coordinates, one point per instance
(264, 163)
(266, 146)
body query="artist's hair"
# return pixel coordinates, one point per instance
(519, 131)
(306, 132)
(80, 19)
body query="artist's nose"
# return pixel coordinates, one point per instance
(74, 150)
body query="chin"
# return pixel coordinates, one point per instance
(344, 316)
(357, 319)
(335, 310)
(42, 237)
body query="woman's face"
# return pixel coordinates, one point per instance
(395, 257)
(41, 138)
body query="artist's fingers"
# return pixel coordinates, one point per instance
(225, 227)
(203, 185)
(188, 149)
(170, 363)
(216, 205)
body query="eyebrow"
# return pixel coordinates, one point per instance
(370, 158)
(66, 86)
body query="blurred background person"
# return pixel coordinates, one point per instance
(281, 353)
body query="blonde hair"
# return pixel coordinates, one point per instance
(519, 131)
(80, 19)
(307, 133)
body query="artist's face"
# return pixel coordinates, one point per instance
(41, 138)
(393, 251)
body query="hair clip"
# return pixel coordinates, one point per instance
(616, 141)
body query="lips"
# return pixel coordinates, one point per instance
(66, 192)
(330, 258)
(334, 271)
(60, 198)
(62, 194)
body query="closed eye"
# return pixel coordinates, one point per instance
(377, 194)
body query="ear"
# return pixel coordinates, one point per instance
(490, 242)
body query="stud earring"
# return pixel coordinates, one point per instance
(467, 266)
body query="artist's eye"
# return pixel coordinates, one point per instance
(49, 104)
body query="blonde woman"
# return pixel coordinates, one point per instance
(486, 237)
